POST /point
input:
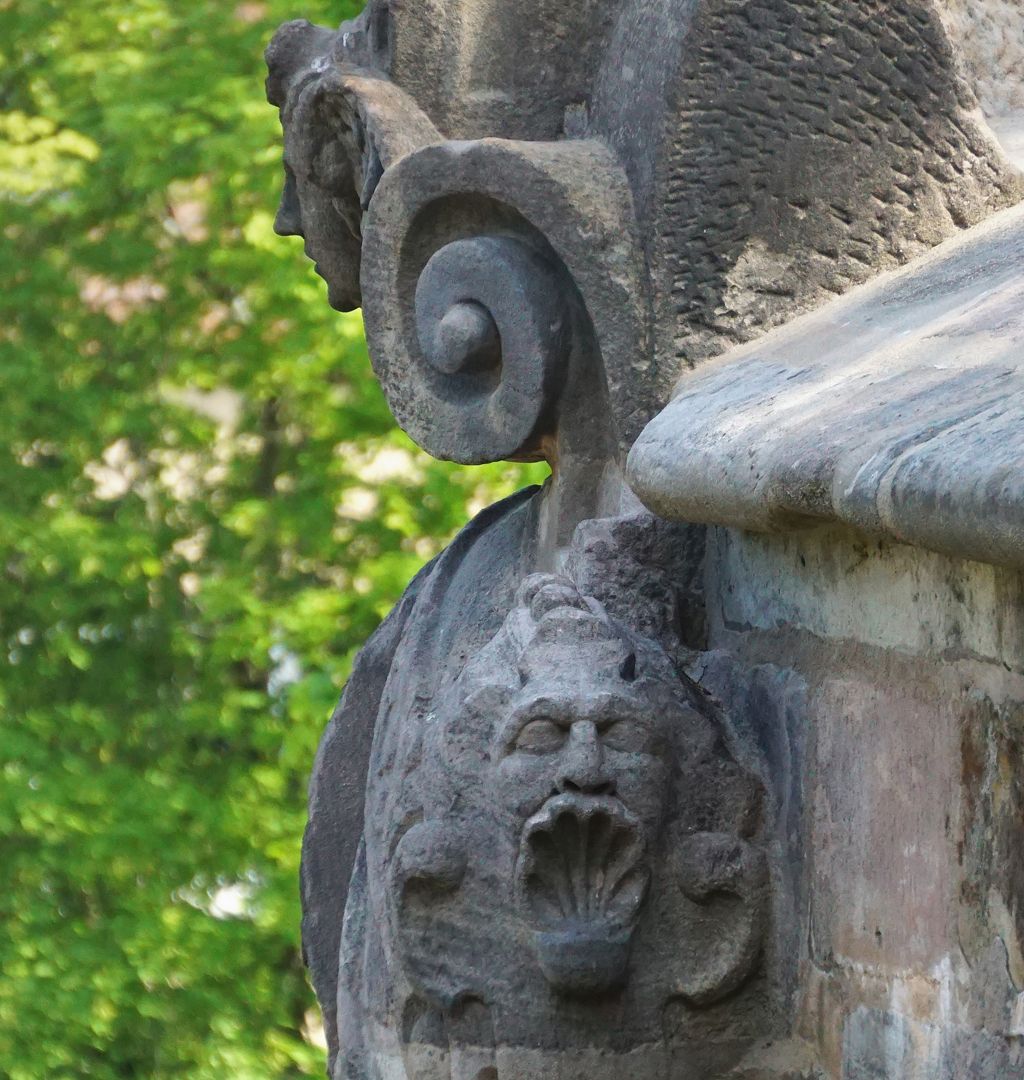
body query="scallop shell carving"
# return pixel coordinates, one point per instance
(583, 864)
(582, 879)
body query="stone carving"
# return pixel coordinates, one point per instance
(537, 846)
(560, 214)
(570, 828)
(493, 339)
(733, 210)
(820, 142)
(343, 126)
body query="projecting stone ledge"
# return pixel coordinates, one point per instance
(898, 409)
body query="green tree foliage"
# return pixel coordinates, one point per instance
(205, 510)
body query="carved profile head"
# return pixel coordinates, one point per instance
(323, 153)
(344, 123)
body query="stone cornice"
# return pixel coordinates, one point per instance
(898, 409)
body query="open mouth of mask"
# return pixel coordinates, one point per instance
(581, 879)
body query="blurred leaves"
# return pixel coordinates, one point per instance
(205, 510)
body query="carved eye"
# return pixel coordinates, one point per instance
(629, 736)
(541, 736)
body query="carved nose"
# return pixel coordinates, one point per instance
(288, 221)
(582, 768)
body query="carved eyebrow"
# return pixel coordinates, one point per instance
(543, 704)
(613, 706)
(604, 710)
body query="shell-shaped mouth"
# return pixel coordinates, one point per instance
(582, 865)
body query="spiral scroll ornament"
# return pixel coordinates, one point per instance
(491, 342)
(494, 336)
(494, 273)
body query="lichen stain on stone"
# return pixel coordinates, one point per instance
(992, 886)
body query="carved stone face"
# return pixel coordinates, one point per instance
(578, 727)
(322, 161)
(583, 760)
(569, 834)
(558, 747)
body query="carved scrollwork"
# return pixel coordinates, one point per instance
(723, 870)
(485, 294)
(492, 325)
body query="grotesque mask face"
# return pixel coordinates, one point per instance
(568, 806)
(323, 156)
(584, 761)
(563, 751)
(578, 727)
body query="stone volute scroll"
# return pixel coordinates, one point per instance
(566, 820)
(538, 237)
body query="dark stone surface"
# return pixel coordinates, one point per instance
(446, 596)
(571, 839)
